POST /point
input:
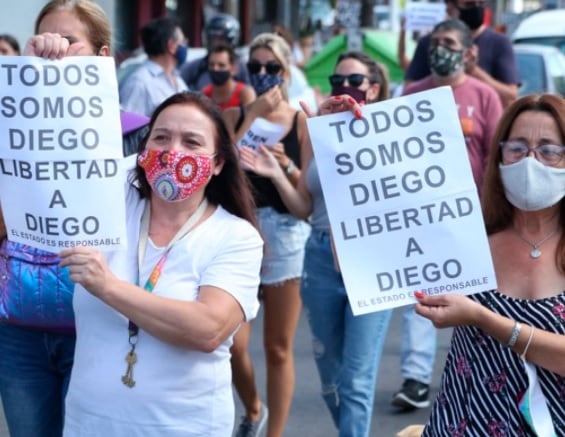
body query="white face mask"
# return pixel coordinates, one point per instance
(530, 186)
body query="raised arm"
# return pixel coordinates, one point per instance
(297, 198)
(52, 46)
(457, 310)
(202, 324)
(294, 193)
(260, 107)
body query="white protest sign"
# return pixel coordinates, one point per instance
(61, 184)
(262, 131)
(348, 13)
(50, 108)
(402, 203)
(81, 206)
(423, 15)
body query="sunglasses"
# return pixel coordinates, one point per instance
(355, 80)
(271, 67)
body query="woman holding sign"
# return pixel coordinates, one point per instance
(37, 338)
(155, 322)
(285, 235)
(347, 349)
(505, 373)
(37, 333)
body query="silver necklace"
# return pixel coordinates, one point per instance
(536, 252)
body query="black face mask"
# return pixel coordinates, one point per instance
(219, 77)
(472, 16)
(358, 95)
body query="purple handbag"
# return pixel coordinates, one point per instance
(34, 291)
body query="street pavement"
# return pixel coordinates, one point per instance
(308, 416)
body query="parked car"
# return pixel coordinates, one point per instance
(541, 69)
(545, 28)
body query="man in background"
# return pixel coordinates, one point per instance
(157, 77)
(222, 29)
(492, 60)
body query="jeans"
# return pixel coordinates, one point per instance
(35, 368)
(418, 348)
(347, 348)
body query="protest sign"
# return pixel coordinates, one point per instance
(50, 108)
(402, 203)
(423, 16)
(262, 131)
(61, 182)
(348, 13)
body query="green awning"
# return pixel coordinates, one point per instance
(379, 44)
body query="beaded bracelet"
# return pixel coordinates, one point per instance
(515, 333)
(523, 355)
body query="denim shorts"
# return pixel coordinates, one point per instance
(285, 237)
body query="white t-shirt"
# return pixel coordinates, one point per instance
(178, 392)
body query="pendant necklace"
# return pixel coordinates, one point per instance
(536, 252)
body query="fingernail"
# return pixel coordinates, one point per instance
(358, 113)
(419, 295)
(338, 98)
(351, 100)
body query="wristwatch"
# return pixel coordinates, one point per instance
(290, 168)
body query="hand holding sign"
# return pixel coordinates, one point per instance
(52, 46)
(448, 310)
(333, 105)
(399, 178)
(88, 268)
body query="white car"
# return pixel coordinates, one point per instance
(541, 69)
(546, 28)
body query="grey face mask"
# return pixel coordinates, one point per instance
(530, 185)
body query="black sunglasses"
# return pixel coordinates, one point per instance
(354, 80)
(271, 67)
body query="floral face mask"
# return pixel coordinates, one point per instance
(175, 176)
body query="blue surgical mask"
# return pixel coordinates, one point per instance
(181, 54)
(262, 83)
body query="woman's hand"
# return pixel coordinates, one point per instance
(51, 46)
(267, 102)
(448, 310)
(278, 152)
(333, 105)
(262, 162)
(88, 268)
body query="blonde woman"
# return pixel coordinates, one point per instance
(285, 237)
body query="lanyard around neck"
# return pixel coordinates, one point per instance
(143, 237)
(185, 229)
(133, 329)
